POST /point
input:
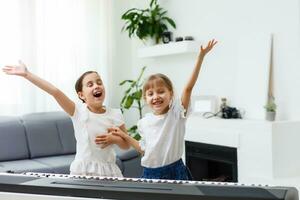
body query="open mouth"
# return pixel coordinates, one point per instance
(97, 94)
(157, 103)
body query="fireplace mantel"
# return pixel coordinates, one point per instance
(265, 150)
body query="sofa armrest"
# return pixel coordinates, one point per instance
(131, 162)
(127, 154)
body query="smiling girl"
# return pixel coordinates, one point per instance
(91, 121)
(163, 129)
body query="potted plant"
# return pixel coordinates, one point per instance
(147, 23)
(133, 95)
(270, 109)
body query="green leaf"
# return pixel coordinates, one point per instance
(123, 99)
(137, 95)
(163, 28)
(125, 81)
(171, 22)
(163, 13)
(128, 102)
(128, 90)
(137, 136)
(132, 129)
(133, 132)
(153, 2)
(128, 11)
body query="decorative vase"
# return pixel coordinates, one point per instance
(149, 42)
(270, 116)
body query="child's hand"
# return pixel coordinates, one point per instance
(208, 47)
(118, 132)
(19, 70)
(106, 140)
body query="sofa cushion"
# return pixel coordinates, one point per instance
(120, 164)
(66, 133)
(126, 154)
(59, 164)
(27, 165)
(42, 134)
(13, 143)
(133, 168)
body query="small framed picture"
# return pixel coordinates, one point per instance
(204, 103)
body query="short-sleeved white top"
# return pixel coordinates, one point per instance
(90, 159)
(163, 136)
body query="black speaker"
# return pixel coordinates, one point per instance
(167, 37)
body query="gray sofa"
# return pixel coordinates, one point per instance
(45, 142)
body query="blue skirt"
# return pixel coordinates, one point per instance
(173, 171)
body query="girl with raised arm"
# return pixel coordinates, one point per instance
(163, 130)
(91, 121)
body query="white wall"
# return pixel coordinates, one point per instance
(226, 21)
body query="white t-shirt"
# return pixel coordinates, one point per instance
(90, 159)
(163, 136)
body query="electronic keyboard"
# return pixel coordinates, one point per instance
(138, 189)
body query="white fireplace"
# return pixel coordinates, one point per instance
(267, 152)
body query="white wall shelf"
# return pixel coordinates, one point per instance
(169, 49)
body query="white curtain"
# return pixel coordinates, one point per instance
(57, 40)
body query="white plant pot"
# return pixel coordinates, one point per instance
(149, 42)
(270, 116)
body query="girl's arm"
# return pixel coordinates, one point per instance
(130, 140)
(121, 142)
(109, 138)
(21, 70)
(187, 91)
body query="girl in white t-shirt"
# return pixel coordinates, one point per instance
(91, 121)
(163, 130)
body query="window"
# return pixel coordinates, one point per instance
(57, 40)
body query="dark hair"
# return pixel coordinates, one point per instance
(78, 84)
(157, 79)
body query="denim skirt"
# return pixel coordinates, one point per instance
(173, 171)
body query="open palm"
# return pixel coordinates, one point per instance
(19, 70)
(208, 47)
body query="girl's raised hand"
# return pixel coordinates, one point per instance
(208, 47)
(19, 70)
